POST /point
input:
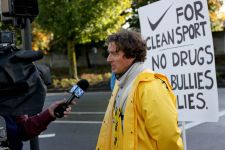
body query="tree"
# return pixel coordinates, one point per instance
(213, 5)
(215, 18)
(40, 38)
(81, 21)
(133, 21)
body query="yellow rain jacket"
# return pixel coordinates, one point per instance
(150, 117)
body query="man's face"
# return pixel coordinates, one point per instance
(119, 63)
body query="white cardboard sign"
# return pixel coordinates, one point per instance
(180, 45)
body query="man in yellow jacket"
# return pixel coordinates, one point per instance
(142, 113)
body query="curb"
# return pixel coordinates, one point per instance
(91, 89)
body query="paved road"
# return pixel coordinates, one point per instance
(80, 130)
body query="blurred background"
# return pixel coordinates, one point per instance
(72, 34)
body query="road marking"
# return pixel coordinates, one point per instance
(46, 135)
(193, 124)
(87, 113)
(187, 126)
(78, 122)
(222, 113)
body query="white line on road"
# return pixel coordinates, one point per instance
(187, 126)
(193, 124)
(78, 122)
(46, 135)
(87, 113)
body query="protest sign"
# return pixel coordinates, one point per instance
(179, 45)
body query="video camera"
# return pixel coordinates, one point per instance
(22, 89)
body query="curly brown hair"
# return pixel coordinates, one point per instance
(131, 43)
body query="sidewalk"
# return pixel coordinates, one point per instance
(102, 86)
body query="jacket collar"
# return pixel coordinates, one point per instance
(130, 74)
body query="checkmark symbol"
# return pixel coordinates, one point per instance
(153, 26)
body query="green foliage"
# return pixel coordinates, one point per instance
(216, 21)
(134, 19)
(81, 20)
(213, 5)
(63, 83)
(95, 78)
(66, 83)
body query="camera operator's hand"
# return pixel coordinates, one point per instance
(53, 106)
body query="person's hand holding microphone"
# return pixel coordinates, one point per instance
(61, 109)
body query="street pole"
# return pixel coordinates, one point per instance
(184, 135)
(26, 34)
(27, 45)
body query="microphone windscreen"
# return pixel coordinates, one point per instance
(83, 84)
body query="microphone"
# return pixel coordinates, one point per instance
(76, 92)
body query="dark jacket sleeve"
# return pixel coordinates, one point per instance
(30, 127)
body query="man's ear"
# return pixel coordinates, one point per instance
(133, 60)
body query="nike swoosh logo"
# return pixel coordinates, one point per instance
(154, 25)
